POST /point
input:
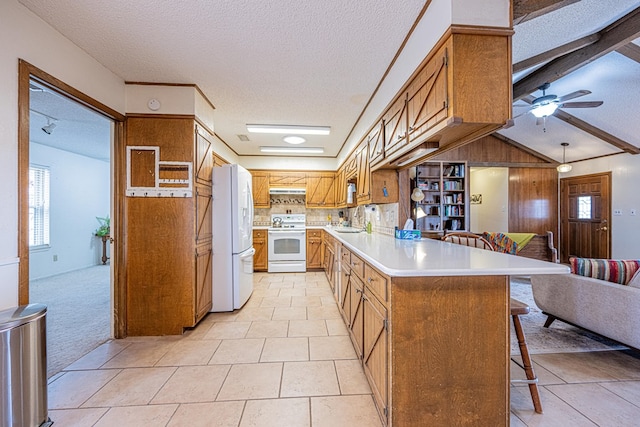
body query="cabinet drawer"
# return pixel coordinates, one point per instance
(314, 233)
(259, 234)
(357, 266)
(376, 282)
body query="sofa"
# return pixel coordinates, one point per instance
(604, 299)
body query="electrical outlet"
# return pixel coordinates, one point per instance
(632, 212)
(55, 258)
(617, 212)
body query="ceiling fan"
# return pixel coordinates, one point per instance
(545, 105)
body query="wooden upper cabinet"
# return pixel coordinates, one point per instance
(287, 179)
(375, 140)
(363, 184)
(395, 126)
(351, 167)
(341, 188)
(261, 197)
(427, 96)
(204, 156)
(320, 190)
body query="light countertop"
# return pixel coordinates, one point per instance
(429, 257)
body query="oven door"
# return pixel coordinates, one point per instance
(289, 245)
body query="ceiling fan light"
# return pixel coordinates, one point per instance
(544, 110)
(564, 168)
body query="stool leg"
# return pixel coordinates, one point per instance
(526, 362)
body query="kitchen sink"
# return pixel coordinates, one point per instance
(348, 230)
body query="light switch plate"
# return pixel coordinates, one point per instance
(632, 212)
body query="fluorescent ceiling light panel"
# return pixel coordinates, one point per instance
(300, 150)
(292, 129)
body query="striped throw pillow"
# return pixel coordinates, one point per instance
(616, 271)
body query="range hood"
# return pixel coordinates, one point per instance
(287, 190)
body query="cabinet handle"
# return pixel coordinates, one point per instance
(359, 291)
(399, 137)
(410, 128)
(369, 279)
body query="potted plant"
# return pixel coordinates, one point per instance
(105, 226)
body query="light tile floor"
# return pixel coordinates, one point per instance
(286, 360)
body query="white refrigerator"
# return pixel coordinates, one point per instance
(233, 250)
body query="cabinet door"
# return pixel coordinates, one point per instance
(204, 156)
(375, 357)
(320, 190)
(395, 126)
(260, 245)
(204, 230)
(427, 104)
(287, 179)
(376, 145)
(363, 185)
(345, 294)
(203, 282)
(356, 324)
(329, 265)
(341, 188)
(260, 182)
(314, 249)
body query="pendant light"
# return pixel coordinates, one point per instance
(564, 167)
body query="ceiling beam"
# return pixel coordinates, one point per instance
(555, 53)
(597, 132)
(631, 51)
(613, 37)
(524, 10)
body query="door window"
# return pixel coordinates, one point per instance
(584, 207)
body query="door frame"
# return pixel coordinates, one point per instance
(564, 206)
(26, 73)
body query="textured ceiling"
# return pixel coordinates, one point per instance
(284, 62)
(317, 63)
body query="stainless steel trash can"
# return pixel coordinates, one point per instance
(23, 366)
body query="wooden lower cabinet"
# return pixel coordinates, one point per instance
(356, 314)
(260, 245)
(424, 345)
(375, 357)
(314, 249)
(329, 260)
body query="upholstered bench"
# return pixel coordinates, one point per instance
(607, 303)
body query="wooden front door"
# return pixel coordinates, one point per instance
(585, 210)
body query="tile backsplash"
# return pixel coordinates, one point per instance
(383, 217)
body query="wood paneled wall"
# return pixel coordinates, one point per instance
(160, 238)
(491, 151)
(533, 201)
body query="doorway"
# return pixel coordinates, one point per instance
(585, 216)
(57, 235)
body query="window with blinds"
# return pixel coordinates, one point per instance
(38, 206)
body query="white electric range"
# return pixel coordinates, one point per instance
(287, 243)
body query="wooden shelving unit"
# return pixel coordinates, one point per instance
(446, 202)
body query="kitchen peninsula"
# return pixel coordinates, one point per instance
(430, 322)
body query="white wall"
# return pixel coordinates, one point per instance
(79, 192)
(26, 36)
(625, 176)
(493, 213)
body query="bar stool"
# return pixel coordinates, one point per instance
(519, 308)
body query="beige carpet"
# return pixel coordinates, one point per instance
(559, 337)
(78, 320)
